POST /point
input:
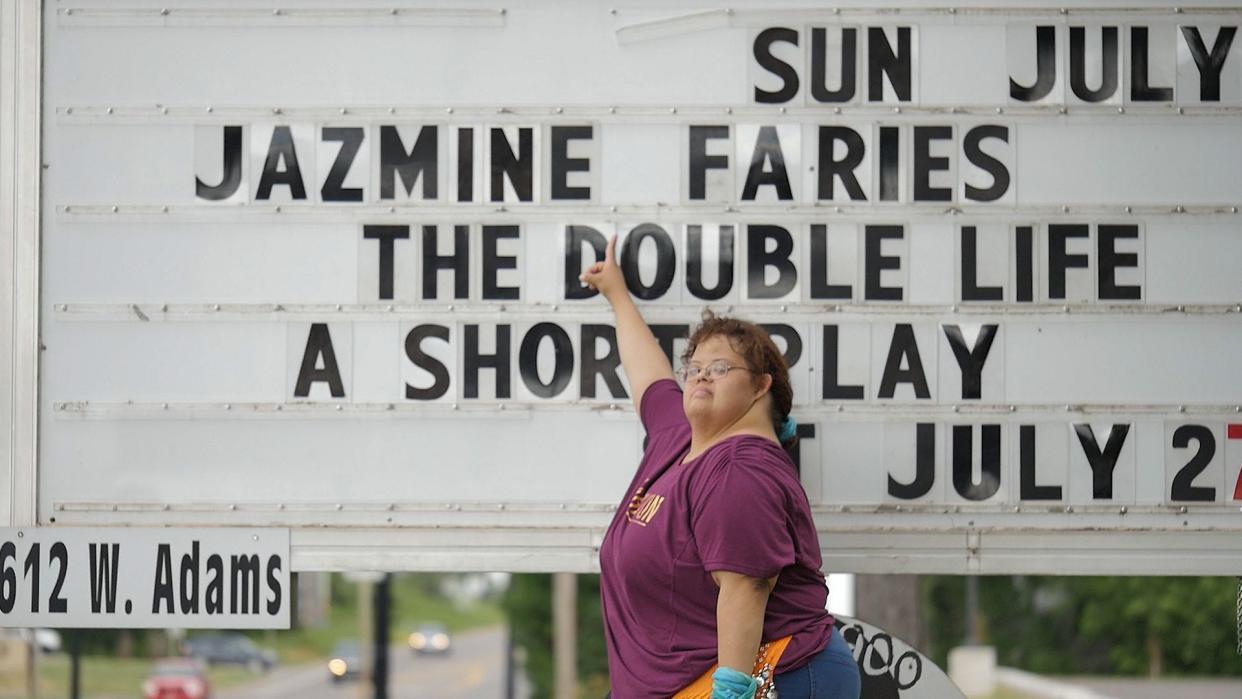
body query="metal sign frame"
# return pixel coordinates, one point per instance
(519, 534)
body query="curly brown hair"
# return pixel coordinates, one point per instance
(758, 351)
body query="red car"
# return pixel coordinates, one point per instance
(176, 678)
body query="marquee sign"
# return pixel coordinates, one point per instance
(332, 287)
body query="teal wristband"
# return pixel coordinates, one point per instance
(728, 683)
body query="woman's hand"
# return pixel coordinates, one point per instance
(606, 277)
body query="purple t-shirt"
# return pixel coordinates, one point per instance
(738, 507)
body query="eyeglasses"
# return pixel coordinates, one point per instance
(716, 370)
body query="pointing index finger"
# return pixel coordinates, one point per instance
(610, 250)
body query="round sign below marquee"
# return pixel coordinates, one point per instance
(890, 668)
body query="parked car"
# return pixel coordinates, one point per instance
(176, 678)
(431, 639)
(229, 649)
(346, 661)
(46, 640)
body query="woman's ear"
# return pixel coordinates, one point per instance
(767, 383)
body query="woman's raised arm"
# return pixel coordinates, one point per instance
(641, 357)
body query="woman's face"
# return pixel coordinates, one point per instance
(715, 402)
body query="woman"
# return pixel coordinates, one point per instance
(710, 568)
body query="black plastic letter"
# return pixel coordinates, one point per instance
(562, 366)
(882, 60)
(924, 163)
(281, 150)
(925, 465)
(1110, 260)
(849, 53)
(904, 349)
(983, 161)
(700, 161)
(1058, 260)
(1209, 64)
(767, 148)
(575, 236)
(833, 390)
(759, 259)
(420, 161)
(989, 461)
(830, 169)
(1045, 67)
(971, 291)
(694, 263)
(787, 73)
(666, 261)
(1103, 462)
(350, 139)
(319, 343)
(474, 360)
(519, 169)
(232, 168)
(971, 359)
(386, 235)
(1030, 490)
(875, 262)
(414, 352)
(821, 288)
(562, 164)
(1078, 64)
(493, 262)
(1140, 90)
(458, 261)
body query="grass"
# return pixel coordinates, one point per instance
(102, 678)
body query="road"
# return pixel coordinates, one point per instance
(474, 670)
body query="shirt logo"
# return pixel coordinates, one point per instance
(643, 508)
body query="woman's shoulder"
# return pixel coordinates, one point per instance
(750, 456)
(660, 408)
(753, 449)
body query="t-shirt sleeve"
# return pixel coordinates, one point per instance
(660, 406)
(739, 518)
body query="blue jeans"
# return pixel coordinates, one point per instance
(831, 674)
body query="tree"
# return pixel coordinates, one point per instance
(1111, 625)
(528, 604)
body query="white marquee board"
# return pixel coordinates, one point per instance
(319, 271)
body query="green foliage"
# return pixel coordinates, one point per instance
(1094, 625)
(1189, 622)
(592, 649)
(528, 604)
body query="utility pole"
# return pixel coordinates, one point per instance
(565, 634)
(75, 664)
(893, 603)
(32, 666)
(509, 679)
(380, 675)
(973, 637)
(364, 635)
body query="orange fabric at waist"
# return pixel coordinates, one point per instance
(764, 672)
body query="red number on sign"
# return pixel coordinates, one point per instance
(1235, 432)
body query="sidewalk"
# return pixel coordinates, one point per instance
(1118, 688)
(1181, 688)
